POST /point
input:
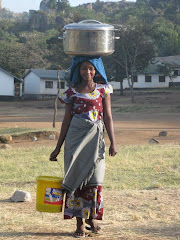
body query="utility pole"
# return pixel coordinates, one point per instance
(0, 5)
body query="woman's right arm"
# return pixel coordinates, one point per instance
(64, 128)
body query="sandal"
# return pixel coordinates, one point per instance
(95, 230)
(79, 234)
(93, 227)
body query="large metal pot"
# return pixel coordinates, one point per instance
(88, 37)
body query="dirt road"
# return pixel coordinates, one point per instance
(153, 112)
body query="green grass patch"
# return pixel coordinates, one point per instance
(146, 108)
(135, 108)
(157, 90)
(134, 167)
(144, 167)
(19, 131)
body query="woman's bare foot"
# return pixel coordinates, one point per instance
(80, 228)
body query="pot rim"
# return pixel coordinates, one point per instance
(88, 25)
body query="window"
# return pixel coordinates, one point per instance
(62, 85)
(48, 84)
(177, 72)
(135, 78)
(161, 78)
(147, 78)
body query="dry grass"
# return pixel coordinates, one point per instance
(152, 214)
(140, 203)
(131, 215)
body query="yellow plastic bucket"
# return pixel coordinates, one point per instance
(49, 197)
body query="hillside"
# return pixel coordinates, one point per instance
(32, 37)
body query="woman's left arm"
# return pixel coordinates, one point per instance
(109, 124)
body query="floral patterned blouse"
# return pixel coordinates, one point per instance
(87, 105)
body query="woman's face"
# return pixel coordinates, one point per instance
(87, 71)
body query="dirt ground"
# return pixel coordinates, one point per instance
(151, 113)
(129, 215)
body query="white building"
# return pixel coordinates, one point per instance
(10, 86)
(41, 83)
(151, 77)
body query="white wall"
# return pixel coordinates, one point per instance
(176, 80)
(50, 91)
(115, 85)
(31, 84)
(142, 84)
(153, 84)
(6, 84)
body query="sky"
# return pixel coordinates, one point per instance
(26, 5)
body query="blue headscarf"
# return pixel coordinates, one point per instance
(95, 61)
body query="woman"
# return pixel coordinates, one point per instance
(87, 107)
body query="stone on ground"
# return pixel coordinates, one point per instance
(5, 138)
(21, 196)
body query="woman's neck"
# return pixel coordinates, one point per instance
(86, 87)
(87, 84)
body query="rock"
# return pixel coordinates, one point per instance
(60, 21)
(44, 5)
(5, 146)
(153, 141)
(38, 21)
(5, 138)
(21, 196)
(163, 134)
(52, 137)
(34, 139)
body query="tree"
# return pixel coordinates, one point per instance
(134, 50)
(82, 13)
(44, 50)
(11, 57)
(52, 4)
(55, 100)
(114, 72)
(35, 49)
(167, 70)
(27, 51)
(168, 38)
(63, 5)
(56, 54)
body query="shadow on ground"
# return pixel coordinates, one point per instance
(170, 231)
(38, 234)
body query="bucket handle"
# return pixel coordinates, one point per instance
(89, 21)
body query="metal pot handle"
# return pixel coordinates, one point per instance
(89, 21)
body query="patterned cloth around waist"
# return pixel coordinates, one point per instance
(83, 154)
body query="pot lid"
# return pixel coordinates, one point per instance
(88, 25)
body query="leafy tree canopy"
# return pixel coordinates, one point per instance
(23, 46)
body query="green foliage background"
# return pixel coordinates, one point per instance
(23, 47)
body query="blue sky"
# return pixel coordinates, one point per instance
(26, 5)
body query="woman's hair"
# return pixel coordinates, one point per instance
(79, 80)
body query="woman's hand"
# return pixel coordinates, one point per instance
(54, 154)
(112, 150)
